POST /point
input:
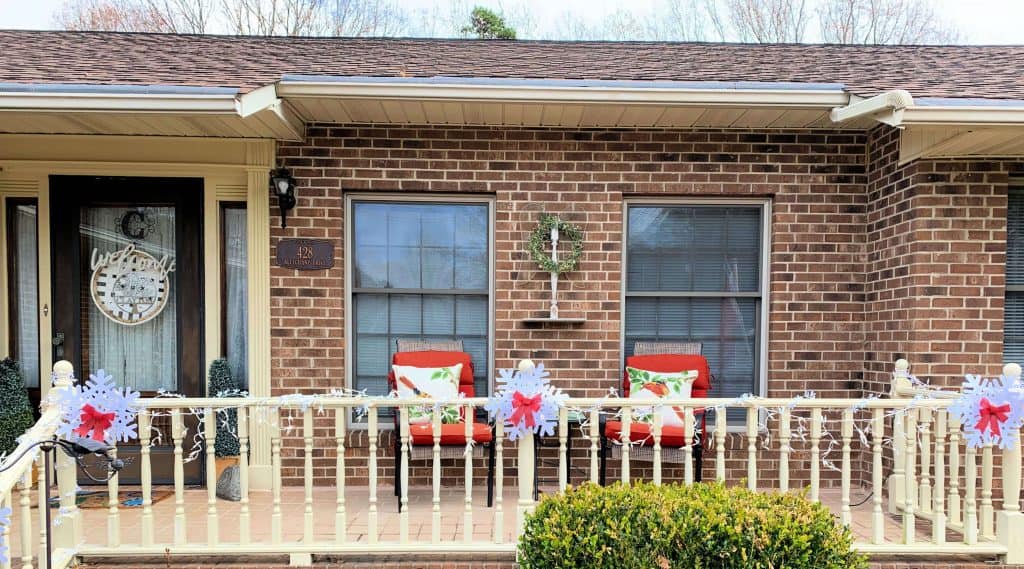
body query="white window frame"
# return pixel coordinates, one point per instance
(353, 197)
(765, 281)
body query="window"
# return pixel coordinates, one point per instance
(235, 293)
(694, 273)
(23, 284)
(421, 270)
(1013, 324)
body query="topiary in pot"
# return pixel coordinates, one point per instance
(15, 408)
(701, 525)
(226, 448)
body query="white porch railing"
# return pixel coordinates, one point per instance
(825, 444)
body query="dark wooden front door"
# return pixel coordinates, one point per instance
(127, 292)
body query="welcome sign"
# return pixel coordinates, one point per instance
(130, 286)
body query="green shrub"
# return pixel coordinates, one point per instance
(223, 385)
(704, 525)
(15, 408)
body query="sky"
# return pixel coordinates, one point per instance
(981, 21)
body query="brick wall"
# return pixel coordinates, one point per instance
(936, 254)
(815, 179)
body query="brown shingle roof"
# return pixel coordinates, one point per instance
(249, 62)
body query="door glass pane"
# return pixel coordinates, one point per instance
(129, 319)
(236, 294)
(24, 283)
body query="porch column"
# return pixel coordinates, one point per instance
(1010, 520)
(258, 233)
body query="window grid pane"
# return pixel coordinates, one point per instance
(1013, 318)
(421, 271)
(703, 258)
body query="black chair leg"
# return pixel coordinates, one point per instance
(490, 475)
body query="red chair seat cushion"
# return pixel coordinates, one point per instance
(642, 433)
(452, 434)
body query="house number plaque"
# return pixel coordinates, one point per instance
(305, 254)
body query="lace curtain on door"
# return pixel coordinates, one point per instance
(236, 293)
(27, 290)
(144, 356)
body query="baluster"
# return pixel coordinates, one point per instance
(752, 448)
(939, 491)
(146, 475)
(924, 500)
(210, 428)
(595, 438)
(721, 424)
(970, 491)
(25, 501)
(275, 483)
(986, 512)
(1010, 523)
(374, 434)
(563, 443)
(5, 531)
(403, 434)
(910, 450)
(435, 511)
(113, 509)
(41, 491)
(627, 423)
(656, 431)
(177, 433)
(467, 513)
(688, 435)
(846, 432)
(877, 436)
(815, 454)
(955, 515)
(244, 516)
(784, 449)
(499, 482)
(340, 522)
(307, 471)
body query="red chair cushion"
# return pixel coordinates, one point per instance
(451, 434)
(668, 363)
(642, 434)
(437, 359)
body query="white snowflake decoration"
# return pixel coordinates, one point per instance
(5, 521)
(1002, 397)
(101, 392)
(529, 382)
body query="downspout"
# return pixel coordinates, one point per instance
(886, 108)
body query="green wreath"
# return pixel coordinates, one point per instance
(541, 237)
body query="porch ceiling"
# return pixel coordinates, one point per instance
(220, 125)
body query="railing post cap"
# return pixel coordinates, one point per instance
(1012, 370)
(525, 365)
(902, 365)
(63, 368)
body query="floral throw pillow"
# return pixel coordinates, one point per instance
(645, 384)
(429, 383)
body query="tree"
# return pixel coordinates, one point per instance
(487, 25)
(761, 21)
(15, 408)
(109, 16)
(883, 22)
(223, 385)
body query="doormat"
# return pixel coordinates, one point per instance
(94, 499)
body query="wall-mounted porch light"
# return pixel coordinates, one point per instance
(283, 185)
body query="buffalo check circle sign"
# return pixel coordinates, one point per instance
(130, 286)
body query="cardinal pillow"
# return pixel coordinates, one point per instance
(645, 384)
(429, 383)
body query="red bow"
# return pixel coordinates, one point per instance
(525, 407)
(93, 420)
(991, 416)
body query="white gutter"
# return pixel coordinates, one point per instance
(116, 98)
(557, 91)
(887, 108)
